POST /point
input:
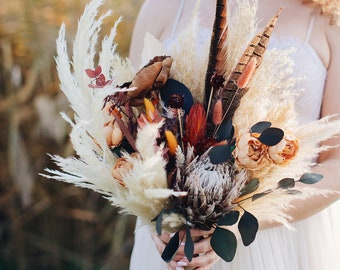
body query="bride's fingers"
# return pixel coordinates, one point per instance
(160, 243)
(202, 246)
(199, 233)
(204, 261)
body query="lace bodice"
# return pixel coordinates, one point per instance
(312, 73)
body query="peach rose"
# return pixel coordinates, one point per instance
(122, 166)
(284, 151)
(250, 152)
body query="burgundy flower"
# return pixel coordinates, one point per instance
(196, 125)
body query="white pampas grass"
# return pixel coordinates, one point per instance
(190, 58)
(145, 191)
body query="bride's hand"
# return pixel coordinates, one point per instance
(204, 256)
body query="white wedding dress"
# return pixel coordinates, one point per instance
(315, 245)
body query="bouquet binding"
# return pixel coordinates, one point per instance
(183, 152)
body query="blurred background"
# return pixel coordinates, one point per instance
(46, 224)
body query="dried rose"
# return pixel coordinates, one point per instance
(284, 151)
(122, 166)
(250, 152)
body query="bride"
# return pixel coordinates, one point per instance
(316, 39)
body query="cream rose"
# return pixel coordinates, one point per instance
(284, 151)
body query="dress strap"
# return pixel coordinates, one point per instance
(178, 16)
(311, 26)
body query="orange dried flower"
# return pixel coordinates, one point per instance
(172, 141)
(196, 124)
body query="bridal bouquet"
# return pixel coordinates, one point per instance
(202, 136)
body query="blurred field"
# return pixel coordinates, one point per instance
(46, 224)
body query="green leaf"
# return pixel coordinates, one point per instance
(252, 185)
(310, 178)
(159, 221)
(189, 245)
(226, 131)
(219, 154)
(259, 127)
(229, 219)
(171, 248)
(224, 243)
(271, 136)
(248, 227)
(286, 183)
(293, 192)
(259, 195)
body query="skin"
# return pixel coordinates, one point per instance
(294, 21)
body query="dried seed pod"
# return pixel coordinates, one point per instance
(247, 73)
(117, 135)
(217, 112)
(152, 76)
(164, 73)
(144, 79)
(108, 129)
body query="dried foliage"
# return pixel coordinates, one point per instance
(44, 224)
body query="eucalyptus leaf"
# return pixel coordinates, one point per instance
(229, 219)
(248, 227)
(259, 195)
(224, 243)
(310, 178)
(175, 87)
(219, 154)
(159, 221)
(189, 245)
(259, 127)
(271, 136)
(286, 183)
(225, 131)
(171, 248)
(252, 185)
(293, 192)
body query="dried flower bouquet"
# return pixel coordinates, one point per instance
(189, 141)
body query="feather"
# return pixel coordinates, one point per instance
(217, 52)
(232, 94)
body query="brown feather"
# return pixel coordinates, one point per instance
(232, 94)
(217, 52)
